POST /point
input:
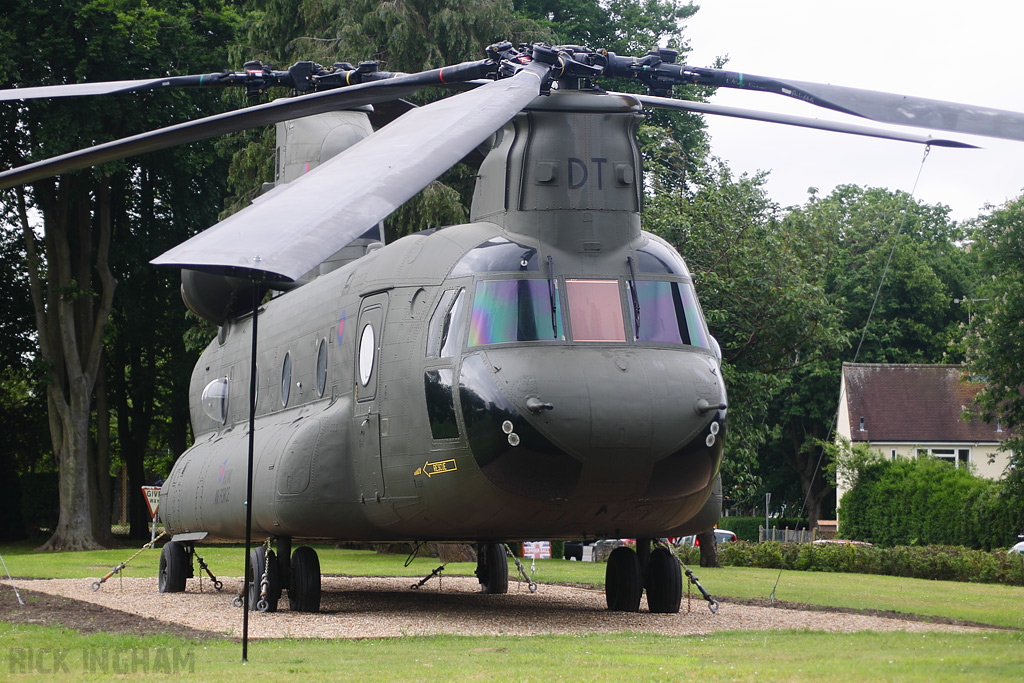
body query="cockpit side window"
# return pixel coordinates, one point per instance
(515, 310)
(450, 326)
(498, 255)
(659, 258)
(441, 314)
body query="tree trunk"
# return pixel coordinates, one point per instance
(804, 460)
(708, 549)
(71, 318)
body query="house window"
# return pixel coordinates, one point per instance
(963, 457)
(893, 454)
(959, 457)
(862, 424)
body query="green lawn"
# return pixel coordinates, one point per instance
(43, 653)
(30, 651)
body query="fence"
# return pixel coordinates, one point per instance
(786, 535)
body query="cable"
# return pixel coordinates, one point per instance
(856, 353)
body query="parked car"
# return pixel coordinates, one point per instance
(573, 550)
(721, 536)
(1018, 549)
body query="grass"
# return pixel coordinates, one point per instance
(27, 652)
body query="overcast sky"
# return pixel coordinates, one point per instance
(959, 51)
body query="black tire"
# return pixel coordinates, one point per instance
(623, 585)
(304, 591)
(492, 569)
(175, 563)
(258, 559)
(664, 582)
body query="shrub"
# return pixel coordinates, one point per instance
(927, 502)
(947, 563)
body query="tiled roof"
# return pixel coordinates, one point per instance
(913, 403)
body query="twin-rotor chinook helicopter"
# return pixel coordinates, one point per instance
(543, 371)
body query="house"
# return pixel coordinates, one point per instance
(911, 411)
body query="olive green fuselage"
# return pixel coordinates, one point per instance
(541, 372)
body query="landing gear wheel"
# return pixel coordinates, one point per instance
(175, 564)
(258, 560)
(622, 582)
(664, 582)
(304, 591)
(492, 568)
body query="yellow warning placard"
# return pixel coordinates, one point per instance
(440, 467)
(152, 494)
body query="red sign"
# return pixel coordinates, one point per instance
(539, 550)
(152, 494)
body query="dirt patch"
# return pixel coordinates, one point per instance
(55, 610)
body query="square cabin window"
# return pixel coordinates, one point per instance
(595, 310)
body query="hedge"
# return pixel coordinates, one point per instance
(928, 502)
(945, 563)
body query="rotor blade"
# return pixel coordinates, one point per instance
(110, 87)
(290, 231)
(388, 111)
(251, 117)
(801, 121)
(883, 107)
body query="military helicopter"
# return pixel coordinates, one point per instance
(543, 371)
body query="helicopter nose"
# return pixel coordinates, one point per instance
(605, 424)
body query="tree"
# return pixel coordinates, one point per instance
(71, 278)
(996, 339)
(148, 366)
(760, 284)
(423, 34)
(861, 234)
(626, 27)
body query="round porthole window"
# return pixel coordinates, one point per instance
(321, 368)
(367, 348)
(286, 378)
(215, 400)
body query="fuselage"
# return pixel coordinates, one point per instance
(406, 396)
(543, 371)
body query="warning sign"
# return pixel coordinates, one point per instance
(152, 494)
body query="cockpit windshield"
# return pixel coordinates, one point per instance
(669, 314)
(515, 310)
(531, 310)
(507, 308)
(595, 309)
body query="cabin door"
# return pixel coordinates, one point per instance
(366, 416)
